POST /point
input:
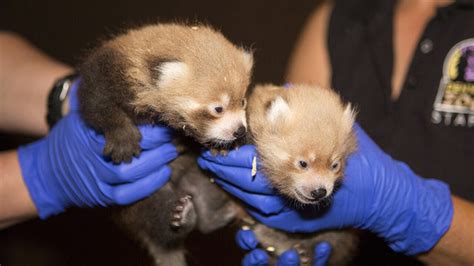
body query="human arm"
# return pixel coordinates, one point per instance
(309, 62)
(66, 168)
(15, 202)
(23, 110)
(379, 194)
(26, 77)
(455, 247)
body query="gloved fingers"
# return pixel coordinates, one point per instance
(148, 161)
(322, 252)
(256, 257)
(77, 130)
(241, 157)
(289, 258)
(238, 176)
(246, 239)
(131, 192)
(154, 136)
(90, 137)
(267, 204)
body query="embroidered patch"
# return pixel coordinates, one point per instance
(454, 104)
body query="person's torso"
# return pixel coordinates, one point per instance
(431, 126)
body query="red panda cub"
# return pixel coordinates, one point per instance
(189, 77)
(303, 135)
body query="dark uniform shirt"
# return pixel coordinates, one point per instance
(431, 126)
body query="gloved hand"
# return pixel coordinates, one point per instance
(234, 172)
(67, 168)
(247, 240)
(378, 193)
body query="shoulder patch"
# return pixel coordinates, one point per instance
(454, 103)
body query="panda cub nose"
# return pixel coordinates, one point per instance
(318, 193)
(240, 132)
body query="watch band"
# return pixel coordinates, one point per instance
(56, 98)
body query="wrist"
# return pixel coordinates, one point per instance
(432, 219)
(30, 158)
(15, 201)
(414, 222)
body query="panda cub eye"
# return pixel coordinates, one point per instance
(219, 109)
(335, 166)
(303, 164)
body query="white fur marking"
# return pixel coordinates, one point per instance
(171, 71)
(225, 127)
(248, 60)
(225, 99)
(278, 108)
(282, 155)
(190, 104)
(348, 116)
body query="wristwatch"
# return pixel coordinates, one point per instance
(57, 97)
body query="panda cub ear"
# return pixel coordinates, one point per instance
(277, 109)
(348, 117)
(166, 72)
(248, 60)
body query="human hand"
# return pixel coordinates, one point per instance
(247, 240)
(67, 168)
(235, 176)
(378, 193)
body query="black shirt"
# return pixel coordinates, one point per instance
(431, 126)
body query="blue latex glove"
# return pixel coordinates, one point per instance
(378, 193)
(247, 240)
(237, 167)
(66, 168)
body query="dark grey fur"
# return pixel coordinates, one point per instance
(151, 220)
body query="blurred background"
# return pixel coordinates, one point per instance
(66, 30)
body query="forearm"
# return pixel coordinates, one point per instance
(26, 76)
(309, 62)
(15, 202)
(455, 247)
